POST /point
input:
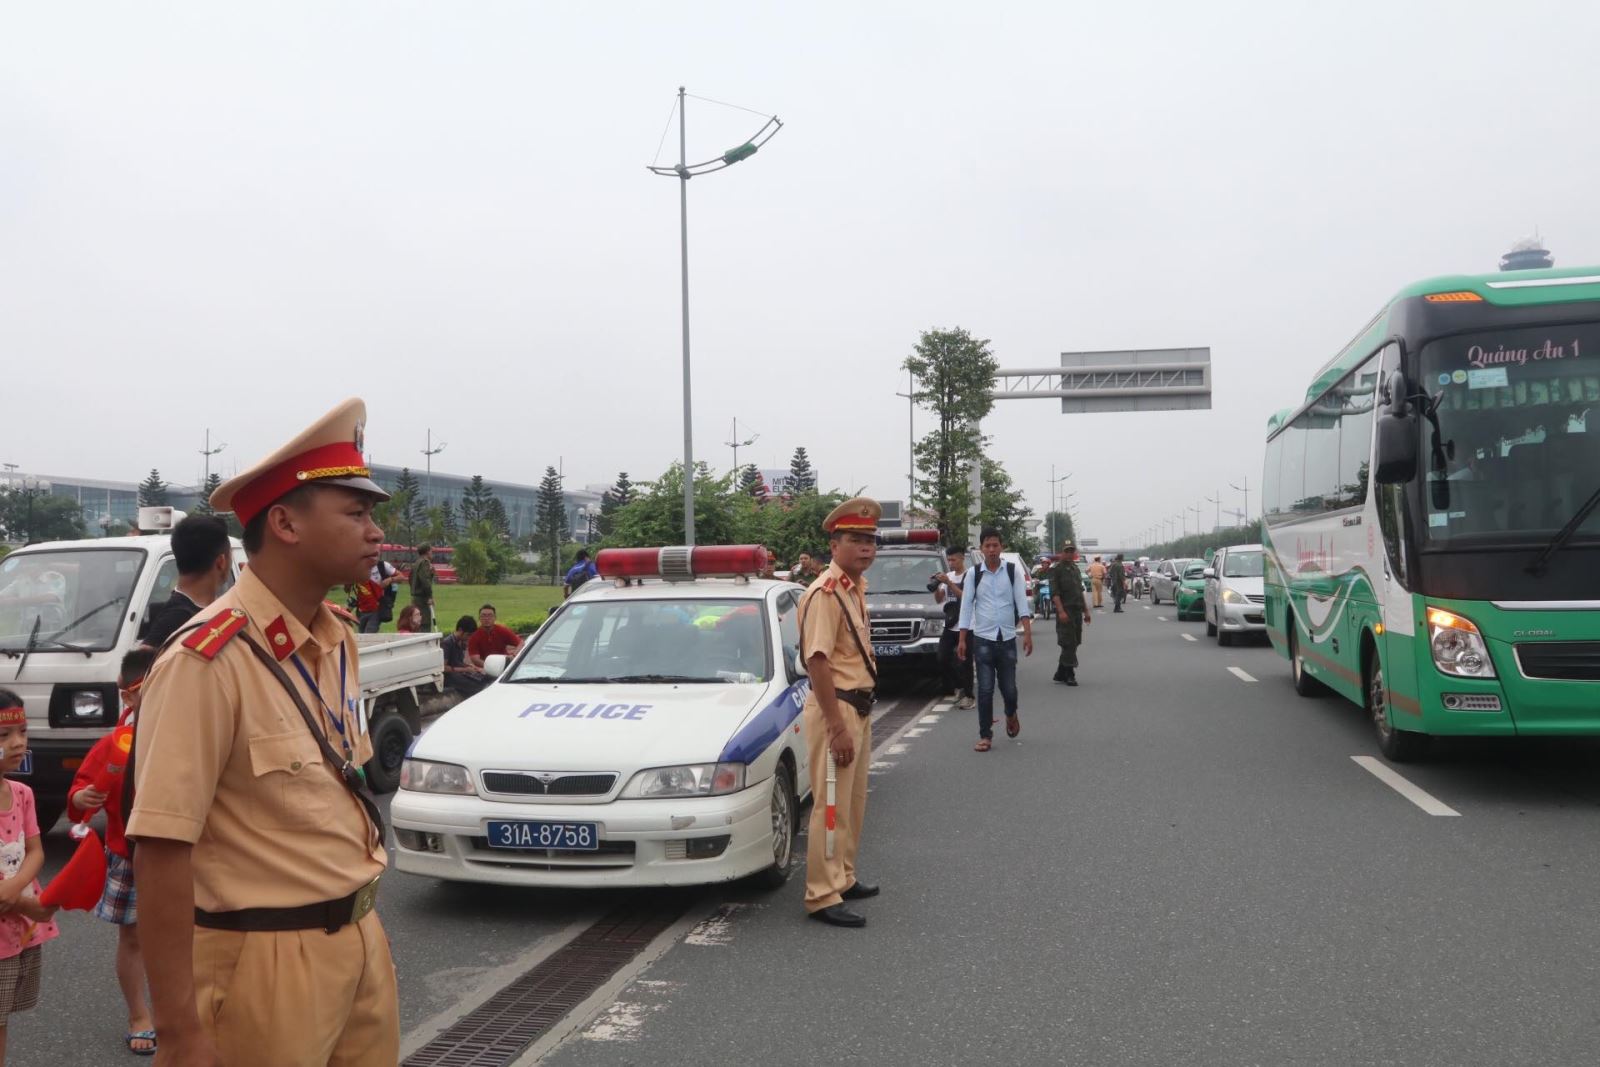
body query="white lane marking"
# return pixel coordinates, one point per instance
(879, 765)
(1414, 793)
(1242, 675)
(717, 928)
(896, 749)
(1145, 606)
(624, 1020)
(916, 731)
(1187, 637)
(929, 719)
(1162, 618)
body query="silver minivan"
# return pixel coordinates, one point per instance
(1235, 598)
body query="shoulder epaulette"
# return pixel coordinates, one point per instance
(209, 637)
(828, 584)
(342, 612)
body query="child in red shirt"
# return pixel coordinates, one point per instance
(118, 904)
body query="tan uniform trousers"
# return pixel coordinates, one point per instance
(302, 997)
(827, 878)
(1099, 585)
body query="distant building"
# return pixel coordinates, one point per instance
(1529, 254)
(521, 501)
(104, 505)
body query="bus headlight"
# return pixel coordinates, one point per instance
(1457, 646)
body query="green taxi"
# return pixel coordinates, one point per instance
(1190, 594)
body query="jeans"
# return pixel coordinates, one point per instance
(995, 659)
(957, 673)
(369, 621)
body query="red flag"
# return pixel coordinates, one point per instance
(78, 885)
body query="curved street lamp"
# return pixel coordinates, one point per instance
(683, 170)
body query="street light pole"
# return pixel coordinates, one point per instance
(430, 451)
(208, 452)
(683, 171)
(1245, 489)
(911, 443)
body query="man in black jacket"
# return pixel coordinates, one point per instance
(204, 555)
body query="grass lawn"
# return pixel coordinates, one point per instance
(521, 607)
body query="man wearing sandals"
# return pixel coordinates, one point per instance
(835, 644)
(994, 606)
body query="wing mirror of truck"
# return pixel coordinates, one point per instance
(494, 666)
(1395, 449)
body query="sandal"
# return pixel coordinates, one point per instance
(141, 1035)
(1013, 727)
(983, 745)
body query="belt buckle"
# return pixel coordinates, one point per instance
(366, 900)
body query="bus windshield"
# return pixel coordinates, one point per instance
(1520, 457)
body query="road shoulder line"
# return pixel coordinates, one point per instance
(1405, 787)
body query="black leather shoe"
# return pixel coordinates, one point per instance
(1072, 679)
(860, 891)
(839, 915)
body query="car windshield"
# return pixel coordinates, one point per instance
(1514, 414)
(651, 641)
(1242, 565)
(903, 572)
(74, 598)
(1194, 570)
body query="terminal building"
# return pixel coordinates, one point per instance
(105, 506)
(521, 501)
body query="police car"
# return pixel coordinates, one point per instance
(648, 734)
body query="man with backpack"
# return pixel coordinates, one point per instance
(994, 606)
(581, 571)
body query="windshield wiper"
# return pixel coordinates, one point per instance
(85, 617)
(658, 679)
(1565, 534)
(33, 636)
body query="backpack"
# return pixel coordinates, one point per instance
(1011, 576)
(390, 593)
(577, 577)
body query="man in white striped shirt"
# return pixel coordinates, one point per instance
(994, 605)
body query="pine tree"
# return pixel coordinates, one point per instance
(496, 514)
(447, 520)
(203, 505)
(153, 491)
(474, 500)
(550, 522)
(751, 483)
(610, 500)
(415, 512)
(802, 479)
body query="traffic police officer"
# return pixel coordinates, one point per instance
(835, 640)
(258, 849)
(1072, 612)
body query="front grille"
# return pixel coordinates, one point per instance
(528, 784)
(1256, 598)
(1567, 660)
(1255, 620)
(895, 631)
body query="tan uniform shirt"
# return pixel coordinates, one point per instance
(823, 629)
(226, 763)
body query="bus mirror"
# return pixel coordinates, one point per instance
(1396, 450)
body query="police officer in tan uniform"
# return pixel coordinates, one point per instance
(257, 849)
(836, 642)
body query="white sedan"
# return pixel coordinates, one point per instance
(648, 734)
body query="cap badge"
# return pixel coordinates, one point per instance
(361, 437)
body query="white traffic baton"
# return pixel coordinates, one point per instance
(830, 813)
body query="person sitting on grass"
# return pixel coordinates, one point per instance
(410, 621)
(460, 676)
(490, 639)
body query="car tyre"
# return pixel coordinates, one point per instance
(391, 740)
(1211, 627)
(1304, 684)
(785, 826)
(1397, 745)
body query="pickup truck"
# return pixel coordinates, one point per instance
(70, 610)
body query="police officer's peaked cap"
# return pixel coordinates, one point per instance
(859, 514)
(1068, 545)
(329, 452)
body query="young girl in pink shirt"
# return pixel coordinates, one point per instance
(24, 924)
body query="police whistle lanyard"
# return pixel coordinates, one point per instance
(338, 720)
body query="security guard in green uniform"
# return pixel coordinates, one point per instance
(1072, 613)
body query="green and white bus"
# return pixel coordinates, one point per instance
(1432, 542)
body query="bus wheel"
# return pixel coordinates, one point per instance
(1401, 746)
(1304, 684)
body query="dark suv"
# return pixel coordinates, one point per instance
(907, 620)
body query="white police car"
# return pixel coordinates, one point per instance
(648, 734)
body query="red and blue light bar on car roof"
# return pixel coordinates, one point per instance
(908, 537)
(682, 563)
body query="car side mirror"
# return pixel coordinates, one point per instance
(1395, 449)
(1208, 573)
(494, 666)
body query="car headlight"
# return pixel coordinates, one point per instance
(1229, 596)
(1457, 646)
(425, 776)
(932, 627)
(88, 704)
(693, 780)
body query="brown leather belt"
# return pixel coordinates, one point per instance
(329, 915)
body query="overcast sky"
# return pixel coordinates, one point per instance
(229, 216)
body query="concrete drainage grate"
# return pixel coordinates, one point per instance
(498, 1031)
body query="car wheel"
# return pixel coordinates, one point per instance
(1211, 627)
(1304, 684)
(784, 827)
(1401, 746)
(1155, 597)
(391, 740)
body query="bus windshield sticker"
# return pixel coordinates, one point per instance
(1488, 378)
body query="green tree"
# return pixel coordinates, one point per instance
(802, 479)
(751, 483)
(474, 500)
(1057, 528)
(495, 515)
(1003, 509)
(394, 516)
(153, 491)
(550, 522)
(954, 374)
(472, 562)
(617, 496)
(655, 515)
(203, 505)
(449, 529)
(415, 512)
(39, 515)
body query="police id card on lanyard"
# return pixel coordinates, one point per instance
(347, 704)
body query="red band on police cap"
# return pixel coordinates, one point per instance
(342, 460)
(13, 717)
